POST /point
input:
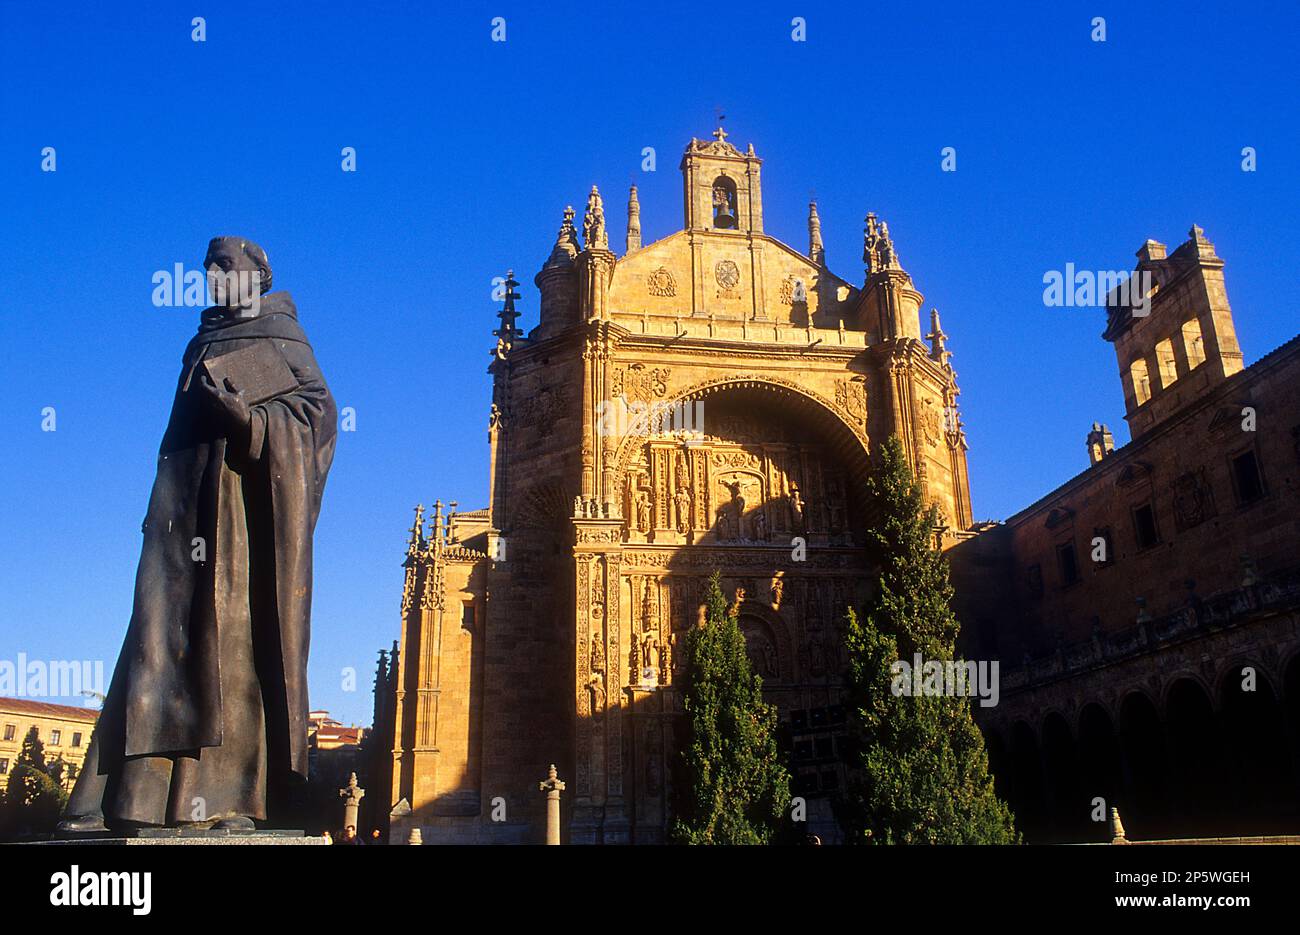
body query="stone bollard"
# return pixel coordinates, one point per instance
(1116, 828)
(414, 837)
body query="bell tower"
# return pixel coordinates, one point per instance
(721, 186)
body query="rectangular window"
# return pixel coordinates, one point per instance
(4, 766)
(1068, 564)
(55, 737)
(1245, 477)
(1144, 526)
(10, 730)
(467, 616)
(76, 739)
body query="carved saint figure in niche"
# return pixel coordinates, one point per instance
(778, 590)
(760, 525)
(648, 608)
(649, 645)
(759, 647)
(736, 508)
(683, 503)
(817, 658)
(835, 504)
(643, 511)
(796, 506)
(596, 687)
(597, 655)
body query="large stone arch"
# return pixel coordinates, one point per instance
(838, 426)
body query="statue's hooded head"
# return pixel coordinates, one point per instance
(238, 271)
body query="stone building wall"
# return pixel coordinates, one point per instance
(1169, 566)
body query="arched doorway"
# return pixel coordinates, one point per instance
(1068, 808)
(1255, 731)
(1027, 770)
(1199, 791)
(1143, 744)
(1100, 770)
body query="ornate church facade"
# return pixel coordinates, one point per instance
(709, 401)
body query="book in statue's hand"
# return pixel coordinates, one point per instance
(258, 371)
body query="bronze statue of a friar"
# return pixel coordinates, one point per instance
(205, 719)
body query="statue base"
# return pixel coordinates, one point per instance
(184, 836)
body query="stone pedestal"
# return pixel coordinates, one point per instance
(185, 836)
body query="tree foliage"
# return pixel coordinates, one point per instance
(734, 787)
(919, 768)
(33, 798)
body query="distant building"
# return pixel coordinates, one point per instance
(64, 730)
(1146, 613)
(333, 751)
(325, 733)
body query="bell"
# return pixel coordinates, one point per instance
(722, 214)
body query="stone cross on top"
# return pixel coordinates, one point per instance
(553, 783)
(352, 792)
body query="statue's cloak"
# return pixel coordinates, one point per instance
(212, 541)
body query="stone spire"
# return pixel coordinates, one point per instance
(938, 349)
(436, 536)
(816, 252)
(633, 221)
(505, 335)
(594, 236)
(566, 243)
(417, 531)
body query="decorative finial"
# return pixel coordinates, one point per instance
(566, 242)
(816, 251)
(633, 221)
(938, 349)
(593, 223)
(878, 249)
(417, 529)
(437, 534)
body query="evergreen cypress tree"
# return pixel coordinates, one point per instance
(920, 771)
(734, 787)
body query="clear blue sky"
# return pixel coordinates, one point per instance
(1068, 151)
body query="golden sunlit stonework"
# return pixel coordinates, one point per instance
(549, 626)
